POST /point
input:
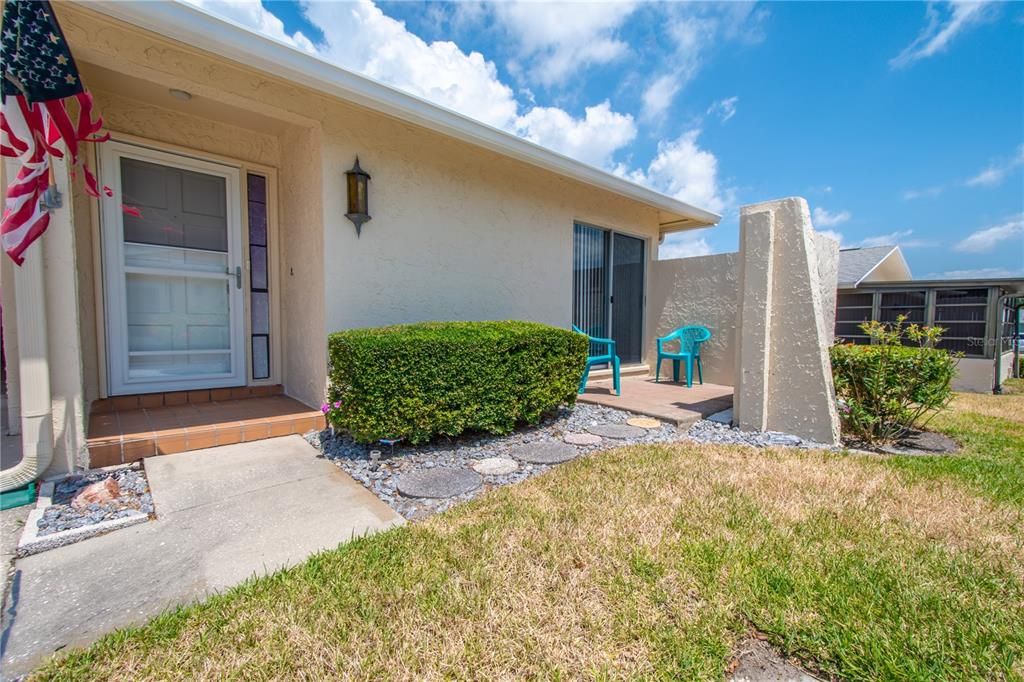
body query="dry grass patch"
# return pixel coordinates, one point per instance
(643, 562)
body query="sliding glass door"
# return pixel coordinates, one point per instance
(608, 287)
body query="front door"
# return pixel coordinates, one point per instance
(173, 274)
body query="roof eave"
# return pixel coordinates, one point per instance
(197, 28)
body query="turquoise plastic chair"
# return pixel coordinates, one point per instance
(607, 358)
(689, 339)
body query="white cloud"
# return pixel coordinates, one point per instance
(995, 173)
(359, 37)
(943, 26)
(253, 16)
(929, 192)
(560, 38)
(684, 170)
(684, 245)
(592, 139)
(976, 273)
(898, 237)
(824, 218)
(658, 96)
(986, 239)
(726, 109)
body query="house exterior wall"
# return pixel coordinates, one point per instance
(457, 232)
(703, 290)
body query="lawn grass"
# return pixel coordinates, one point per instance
(646, 562)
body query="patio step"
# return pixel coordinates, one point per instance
(668, 401)
(624, 371)
(120, 436)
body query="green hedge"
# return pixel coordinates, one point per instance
(888, 389)
(419, 381)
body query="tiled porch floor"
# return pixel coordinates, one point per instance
(667, 401)
(126, 435)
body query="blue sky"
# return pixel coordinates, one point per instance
(898, 122)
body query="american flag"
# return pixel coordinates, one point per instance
(39, 80)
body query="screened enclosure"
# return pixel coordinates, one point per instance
(974, 318)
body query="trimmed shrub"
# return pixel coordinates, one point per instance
(889, 387)
(432, 379)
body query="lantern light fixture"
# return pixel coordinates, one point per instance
(358, 197)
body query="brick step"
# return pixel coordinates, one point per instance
(123, 436)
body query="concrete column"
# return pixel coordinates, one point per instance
(787, 286)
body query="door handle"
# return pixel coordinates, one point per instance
(238, 276)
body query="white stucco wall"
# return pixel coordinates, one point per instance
(785, 373)
(702, 290)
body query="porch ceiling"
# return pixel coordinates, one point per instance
(158, 94)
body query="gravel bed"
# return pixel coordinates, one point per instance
(61, 515)
(461, 453)
(706, 431)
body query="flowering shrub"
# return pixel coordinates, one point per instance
(898, 382)
(331, 410)
(420, 381)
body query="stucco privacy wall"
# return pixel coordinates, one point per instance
(702, 290)
(785, 381)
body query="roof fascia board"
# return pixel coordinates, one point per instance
(196, 27)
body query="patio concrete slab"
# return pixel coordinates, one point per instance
(223, 515)
(668, 401)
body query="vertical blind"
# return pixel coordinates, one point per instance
(590, 280)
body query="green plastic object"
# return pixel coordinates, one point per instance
(18, 497)
(609, 357)
(689, 339)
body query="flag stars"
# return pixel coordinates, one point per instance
(53, 37)
(62, 60)
(70, 80)
(8, 34)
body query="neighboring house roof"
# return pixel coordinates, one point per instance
(873, 264)
(230, 40)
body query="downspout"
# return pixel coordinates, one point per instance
(997, 379)
(34, 369)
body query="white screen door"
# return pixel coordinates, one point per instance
(173, 276)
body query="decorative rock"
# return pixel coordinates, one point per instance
(723, 417)
(495, 466)
(644, 422)
(438, 483)
(582, 439)
(543, 453)
(620, 431)
(97, 493)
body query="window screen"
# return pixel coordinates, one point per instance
(963, 314)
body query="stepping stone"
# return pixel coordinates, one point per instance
(543, 453)
(438, 483)
(617, 431)
(495, 466)
(581, 439)
(644, 422)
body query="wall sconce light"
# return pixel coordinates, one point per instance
(358, 197)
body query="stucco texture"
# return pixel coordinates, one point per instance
(703, 291)
(789, 273)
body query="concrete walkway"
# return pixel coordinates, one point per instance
(224, 514)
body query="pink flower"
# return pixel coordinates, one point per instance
(325, 408)
(337, 404)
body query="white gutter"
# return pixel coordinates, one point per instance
(34, 371)
(197, 28)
